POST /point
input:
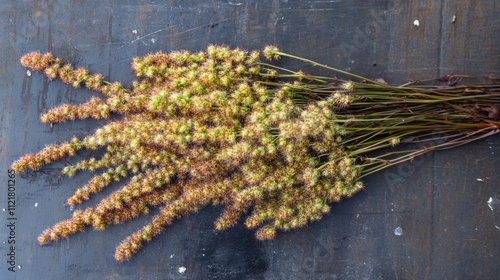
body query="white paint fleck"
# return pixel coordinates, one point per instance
(182, 270)
(490, 202)
(398, 231)
(28, 72)
(19, 267)
(3, 209)
(36, 204)
(172, 256)
(479, 179)
(416, 23)
(153, 40)
(134, 31)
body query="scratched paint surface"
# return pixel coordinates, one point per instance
(437, 217)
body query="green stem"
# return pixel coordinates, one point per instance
(314, 63)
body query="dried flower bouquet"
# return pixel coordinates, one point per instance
(227, 126)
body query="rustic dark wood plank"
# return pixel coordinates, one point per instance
(446, 229)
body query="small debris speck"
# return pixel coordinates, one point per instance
(182, 269)
(36, 204)
(28, 73)
(398, 231)
(416, 23)
(153, 40)
(172, 256)
(490, 202)
(454, 18)
(134, 31)
(479, 179)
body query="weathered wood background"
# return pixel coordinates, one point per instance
(446, 204)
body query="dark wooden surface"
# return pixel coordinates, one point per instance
(439, 201)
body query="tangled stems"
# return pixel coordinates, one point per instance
(228, 127)
(406, 113)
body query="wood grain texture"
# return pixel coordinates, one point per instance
(449, 231)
